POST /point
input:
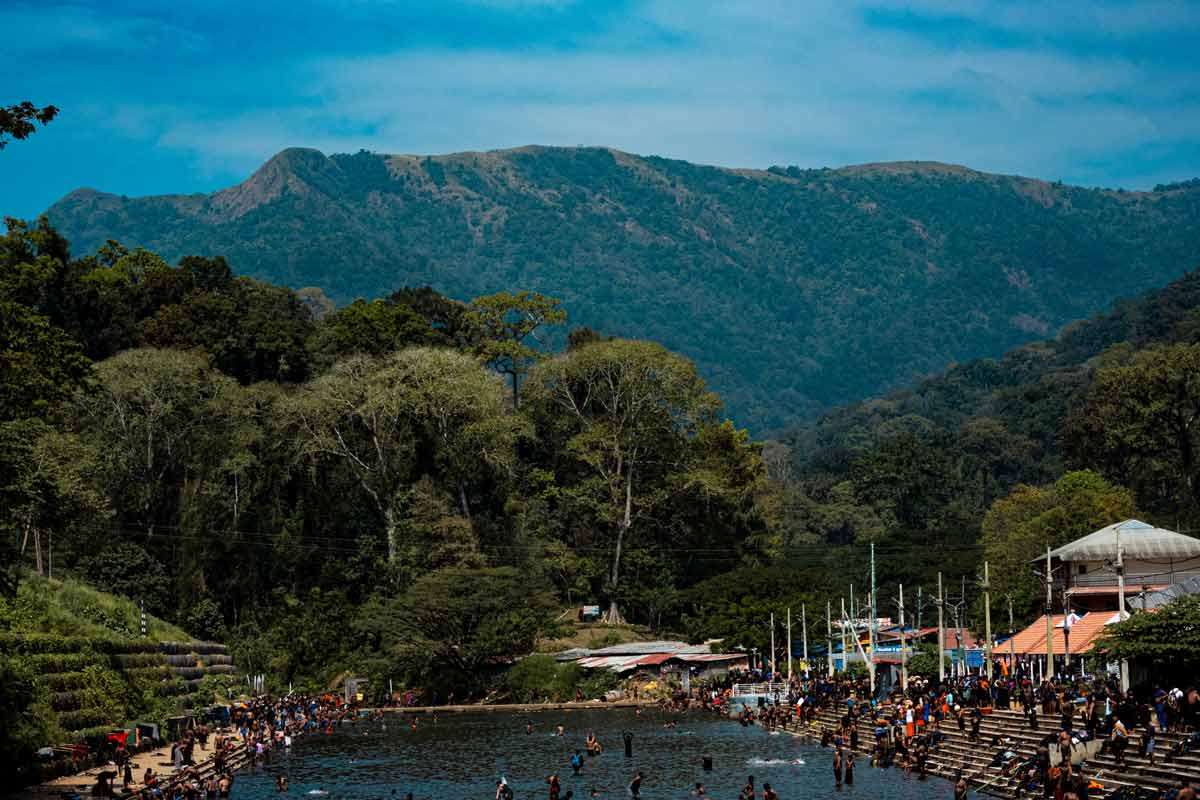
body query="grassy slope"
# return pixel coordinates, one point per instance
(70, 608)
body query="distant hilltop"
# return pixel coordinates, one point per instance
(793, 289)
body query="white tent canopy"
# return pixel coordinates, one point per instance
(1138, 540)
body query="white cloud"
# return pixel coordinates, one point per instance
(745, 84)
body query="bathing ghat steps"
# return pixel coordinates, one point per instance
(956, 753)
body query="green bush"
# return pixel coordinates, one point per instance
(540, 677)
(606, 639)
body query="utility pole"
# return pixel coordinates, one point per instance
(920, 609)
(987, 621)
(845, 642)
(772, 647)
(829, 637)
(871, 628)
(789, 643)
(1049, 621)
(804, 633)
(1066, 634)
(1012, 645)
(941, 633)
(1121, 605)
(853, 611)
(903, 645)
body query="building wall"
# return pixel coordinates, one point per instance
(1137, 572)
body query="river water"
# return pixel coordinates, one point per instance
(461, 756)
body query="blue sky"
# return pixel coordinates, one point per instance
(189, 96)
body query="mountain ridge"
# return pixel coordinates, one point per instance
(793, 289)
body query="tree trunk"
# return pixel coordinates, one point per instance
(37, 550)
(613, 617)
(389, 520)
(462, 499)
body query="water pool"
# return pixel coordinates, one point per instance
(463, 755)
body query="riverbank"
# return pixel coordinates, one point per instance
(158, 759)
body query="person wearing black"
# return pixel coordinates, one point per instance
(635, 786)
(960, 788)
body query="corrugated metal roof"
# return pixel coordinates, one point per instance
(1138, 540)
(695, 658)
(1184, 588)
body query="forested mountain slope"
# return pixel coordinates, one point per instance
(942, 463)
(792, 289)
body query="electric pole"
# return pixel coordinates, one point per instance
(1049, 621)
(1012, 644)
(829, 637)
(772, 678)
(941, 602)
(903, 645)
(1121, 605)
(845, 652)
(871, 623)
(987, 621)
(804, 634)
(789, 643)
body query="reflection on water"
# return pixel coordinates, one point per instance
(463, 755)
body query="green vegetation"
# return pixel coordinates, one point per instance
(72, 608)
(999, 459)
(540, 677)
(74, 665)
(17, 121)
(356, 489)
(790, 289)
(1169, 638)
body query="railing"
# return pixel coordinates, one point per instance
(759, 689)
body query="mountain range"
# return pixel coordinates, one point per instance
(792, 289)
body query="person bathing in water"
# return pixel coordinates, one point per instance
(593, 746)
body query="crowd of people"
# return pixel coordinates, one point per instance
(254, 730)
(903, 727)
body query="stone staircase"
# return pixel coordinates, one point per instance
(956, 754)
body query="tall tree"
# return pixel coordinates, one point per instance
(383, 418)
(1018, 528)
(503, 323)
(1139, 423)
(18, 120)
(628, 412)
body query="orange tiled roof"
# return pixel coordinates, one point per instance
(1032, 640)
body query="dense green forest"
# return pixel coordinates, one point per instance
(404, 486)
(791, 289)
(411, 488)
(998, 458)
